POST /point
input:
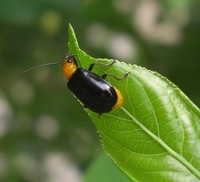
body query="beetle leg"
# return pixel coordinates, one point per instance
(100, 64)
(117, 78)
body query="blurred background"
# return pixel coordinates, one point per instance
(45, 135)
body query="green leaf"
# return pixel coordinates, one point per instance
(102, 166)
(155, 136)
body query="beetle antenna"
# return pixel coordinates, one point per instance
(40, 66)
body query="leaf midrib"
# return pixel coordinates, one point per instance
(177, 156)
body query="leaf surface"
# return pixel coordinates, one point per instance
(155, 136)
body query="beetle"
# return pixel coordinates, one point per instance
(92, 90)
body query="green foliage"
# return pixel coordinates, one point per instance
(39, 117)
(106, 171)
(155, 135)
